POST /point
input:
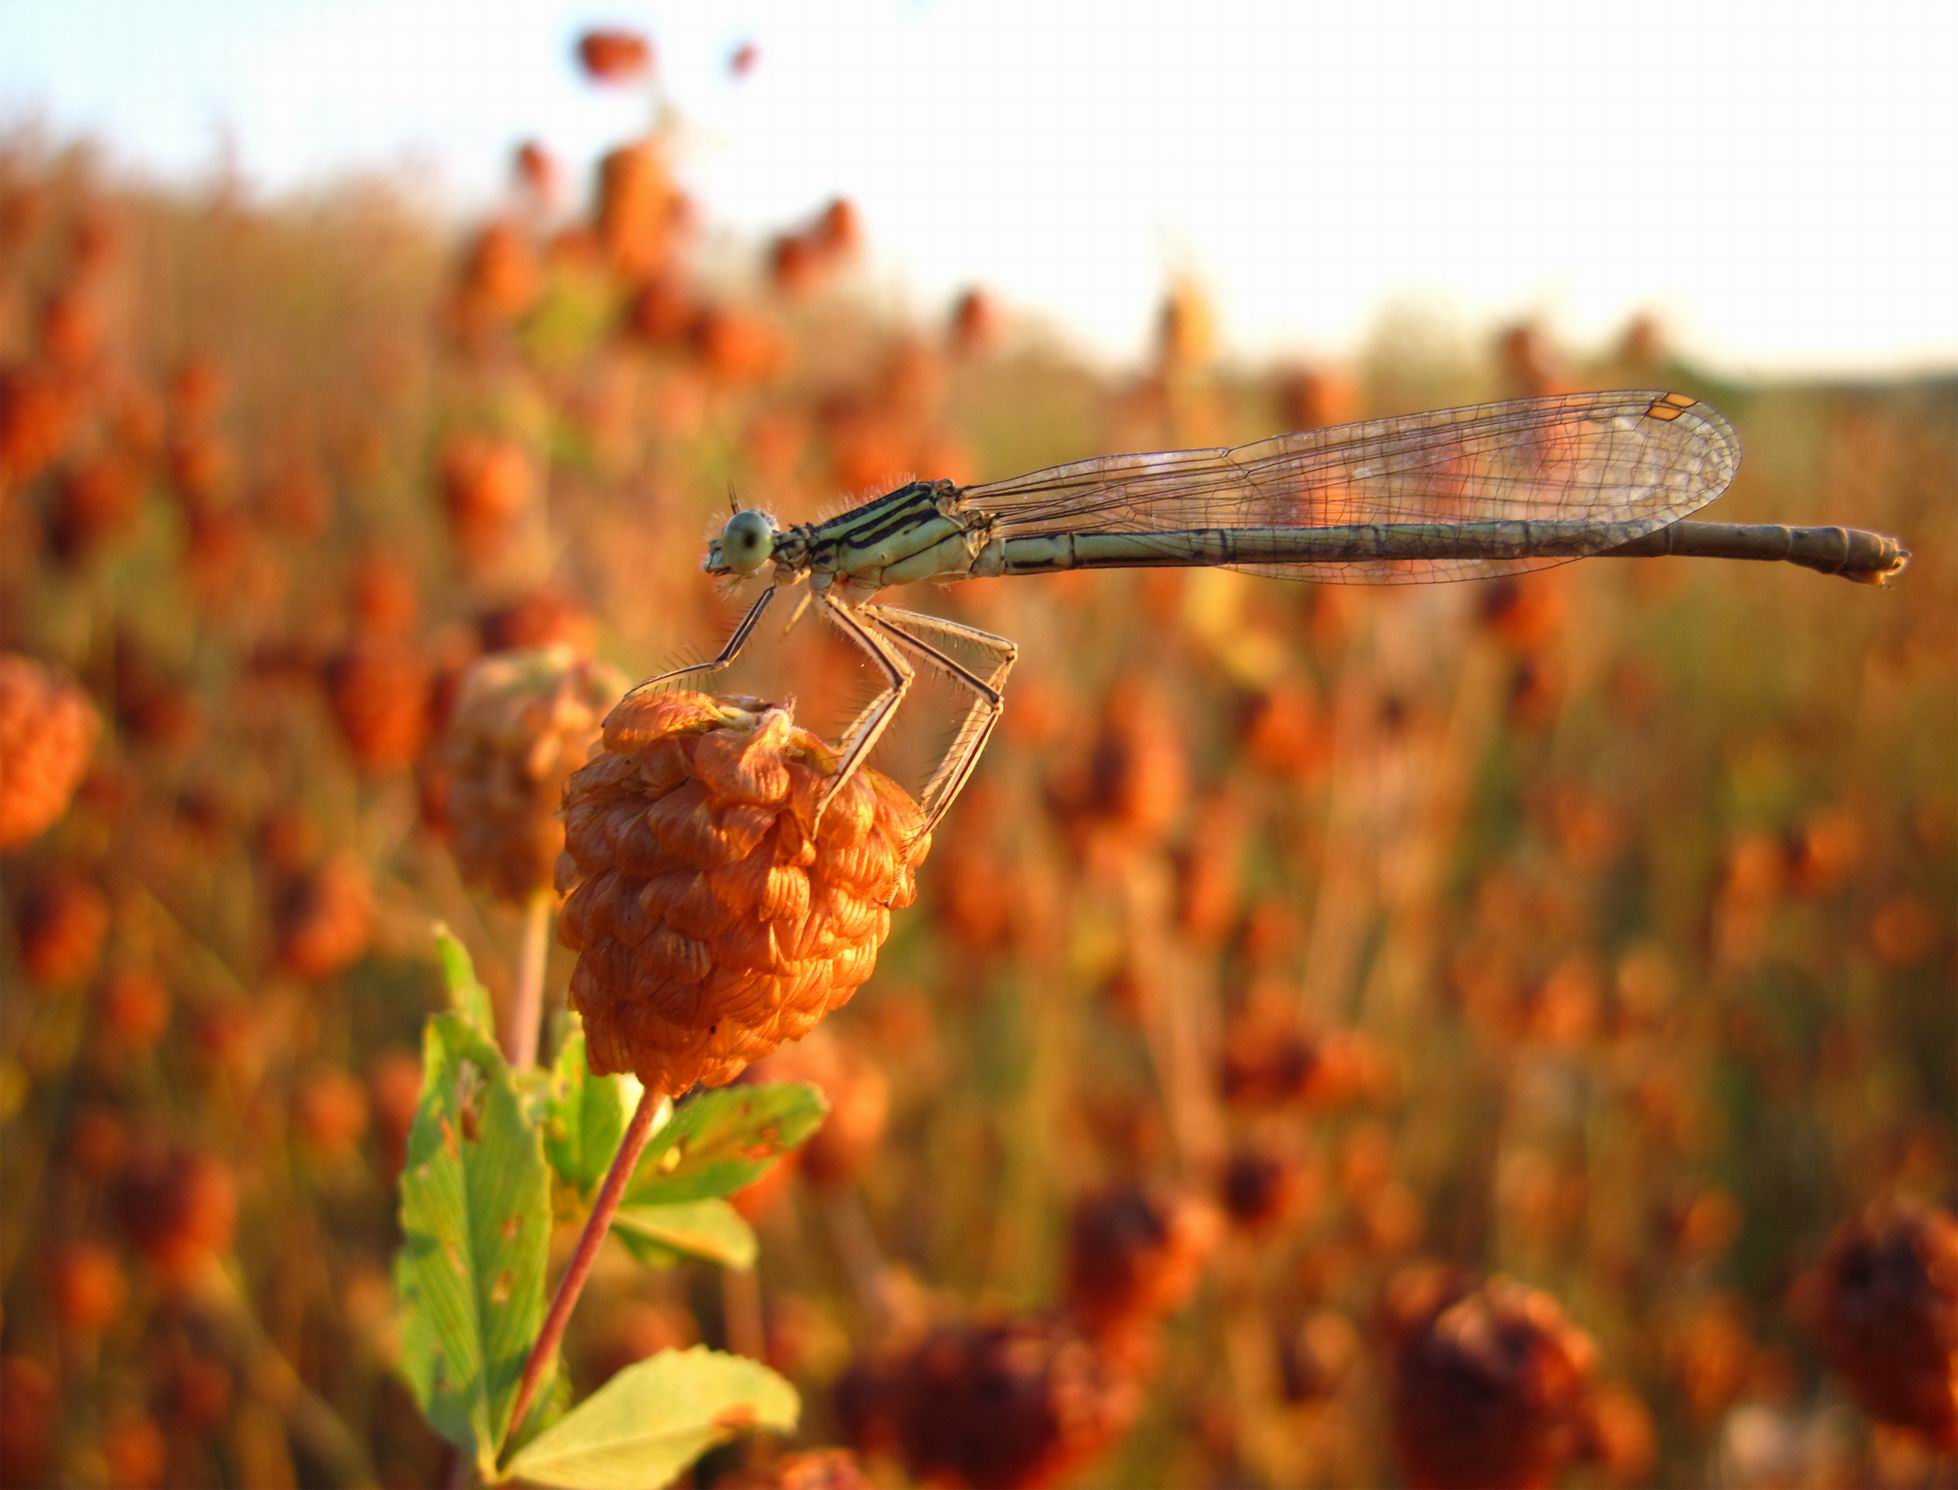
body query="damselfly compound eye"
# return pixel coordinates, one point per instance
(747, 541)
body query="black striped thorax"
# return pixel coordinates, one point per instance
(913, 518)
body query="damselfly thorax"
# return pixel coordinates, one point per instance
(1453, 494)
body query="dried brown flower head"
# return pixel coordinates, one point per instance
(1007, 1406)
(1262, 1187)
(1271, 1059)
(379, 689)
(487, 483)
(1134, 1257)
(543, 617)
(29, 1411)
(640, 211)
(1888, 1297)
(1491, 1385)
(179, 1209)
(1132, 786)
(47, 731)
(523, 722)
(93, 502)
(714, 918)
(499, 278)
(61, 921)
(36, 415)
(321, 918)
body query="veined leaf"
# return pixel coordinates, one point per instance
(475, 1215)
(724, 1140)
(467, 996)
(585, 1117)
(648, 1423)
(710, 1229)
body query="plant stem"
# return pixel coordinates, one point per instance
(650, 1115)
(277, 1381)
(527, 1009)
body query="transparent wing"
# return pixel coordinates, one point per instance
(1634, 461)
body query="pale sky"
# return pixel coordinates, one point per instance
(1777, 178)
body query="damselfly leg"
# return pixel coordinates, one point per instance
(869, 725)
(910, 630)
(723, 659)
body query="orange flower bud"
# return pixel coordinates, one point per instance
(330, 1108)
(135, 1009)
(36, 415)
(136, 1452)
(47, 730)
(713, 916)
(975, 322)
(487, 483)
(615, 56)
(818, 1469)
(640, 212)
(89, 1286)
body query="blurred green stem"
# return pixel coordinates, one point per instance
(277, 1381)
(521, 1029)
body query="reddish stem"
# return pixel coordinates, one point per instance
(631, 1144)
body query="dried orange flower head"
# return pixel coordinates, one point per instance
(1492, 1384)
(47, 731)
(1888, 1287)
(1135, 1256)
(615, 55)
(713, 916)
(1014, 1404)
(523, 722)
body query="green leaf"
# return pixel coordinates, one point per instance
(711, 1230)
(585, 1117)
(476, 1219)
(724, 1140)
(467, 996)
(550, 1408)
(648, 1423)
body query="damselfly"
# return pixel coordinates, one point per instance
(1455, 494)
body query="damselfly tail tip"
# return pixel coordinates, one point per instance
(1899, 562)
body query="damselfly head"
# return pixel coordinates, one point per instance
(743, 546)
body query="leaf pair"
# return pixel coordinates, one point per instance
(476, 1219)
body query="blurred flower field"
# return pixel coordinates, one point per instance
(1491, 1034)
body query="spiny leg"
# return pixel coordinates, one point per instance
(872, 722)
(1003, 651)
(727, 654)
(949, 777)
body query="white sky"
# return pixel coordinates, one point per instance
(1777, 178)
